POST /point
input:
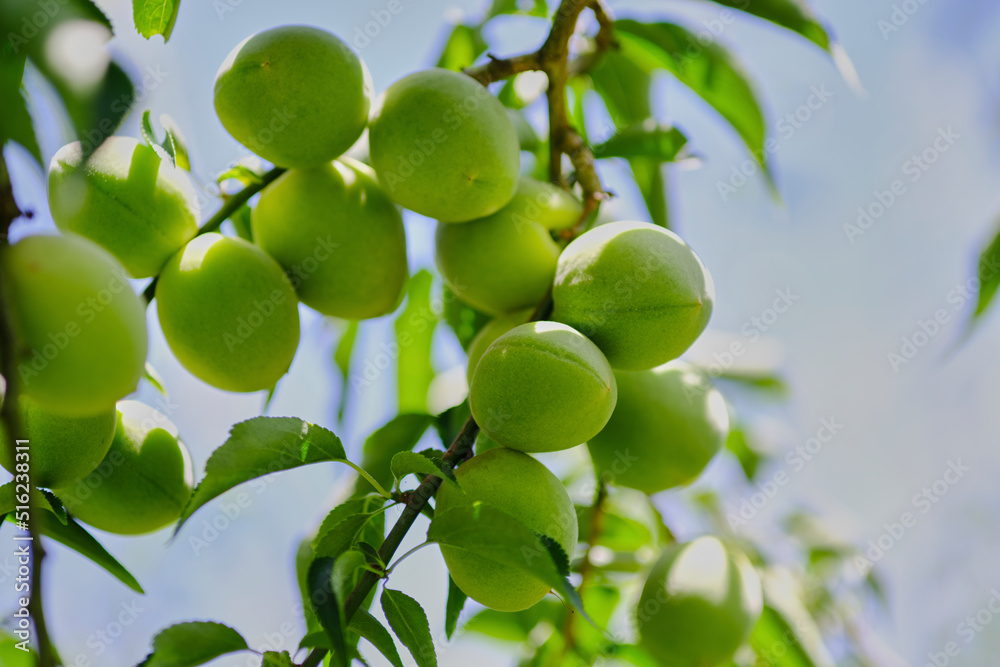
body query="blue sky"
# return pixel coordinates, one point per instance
(930, 91)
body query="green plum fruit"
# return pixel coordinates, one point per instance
(81, 328)
(62, 448)
(339, 237)
(699, 604)
(542, 387)
(229, 313)
(523, 488)
(294, 95)
(635, 289)
(668, 424)
(127, 199)
(443, 146)
(489, 333)
(506, 261)
(144, 481)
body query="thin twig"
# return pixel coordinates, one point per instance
(552, 58)
(11, 417)
(230, 206)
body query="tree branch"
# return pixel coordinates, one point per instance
(230, 206)
(10, 415)
(553, 59)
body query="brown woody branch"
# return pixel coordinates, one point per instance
(10, 415)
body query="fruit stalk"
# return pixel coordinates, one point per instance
(230, 206)
(552, 58)
(11, 418)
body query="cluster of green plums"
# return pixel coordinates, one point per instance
(628, 298)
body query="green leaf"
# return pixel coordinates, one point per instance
(794, 15)
(765, 382)
(488, 532)
(463, 319)
(407, 619)
(339, 538)
(363, 505)
(464, 45)
(453, 608)
(514, 626)
(414, 336)
(399, 434)
(617, 533)
(274, 659)
(304, 557)
(406, 463)
(649, 178)
(709, 70)
(366, 625)
(328, 608)
(242, 173)
(155, 17)
(450, 422)
(342, 357)
(749, 458)
(15, 121)
(150, 375)
(624, 87)
(772, 630)
(539, 8)
(74, 536)
(647, 139)
(195, 643)
(988, 274)
(261, 446)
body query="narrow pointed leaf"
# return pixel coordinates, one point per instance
(342, 358)
(414, 336)
(195, 643)
(406, 463)
(261, 446)
(328, 608)
(366, 625)
(453, 608)
(407, 619)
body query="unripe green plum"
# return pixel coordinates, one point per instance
(144, 481)
(443, 146)
(542, 387)
(62, 449)
(523, 488)
(635, 289)
(489, 333)
(668, 424)
(699, 604)
(506, 261)
(127, 199)
(81, 327)
(339, 237)
(229, 313)
(295, 95)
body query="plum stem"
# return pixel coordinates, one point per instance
(11, 418)
(553, 59)
(229, 206)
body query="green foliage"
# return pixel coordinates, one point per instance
(420, 463)
(488, 532)
(414, 336)
(15, 123)
(399, 434)
(173, 141)
(463, 46)
(742, 448)
(191, 644)
(366, 625)
(407, 619)
(453, 607)
(328, 609)
(261, 446)
(155, 17)
(988, 275)
(794, 15)
(708, 70)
